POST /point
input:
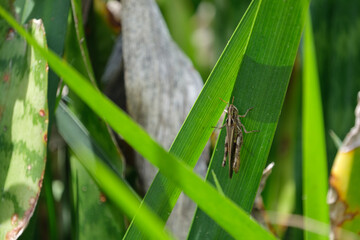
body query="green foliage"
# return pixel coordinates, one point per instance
(255, 68)
(314, 151)
(225, 212)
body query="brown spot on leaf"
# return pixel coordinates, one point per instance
(41, 179)
(40, 183)
(14, 219)
(42, 113)
(47, 67)
(45, 137)
(339, 211)
(102, 198)
(21, 224)
(32, 201)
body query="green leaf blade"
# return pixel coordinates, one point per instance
(90, 201)
(315, 179)
(261, 83)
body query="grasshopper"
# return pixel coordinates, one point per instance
(234, 137)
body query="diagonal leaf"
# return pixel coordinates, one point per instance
(315, 183)
(88, 153)
(88, 202)
(223, 210)
(23, 128)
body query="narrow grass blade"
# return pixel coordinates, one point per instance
(217, 184)
(335, 138)
(23, 127)
(89, 201)
(223, 210)
(315, 183)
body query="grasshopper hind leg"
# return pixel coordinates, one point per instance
(226, 152)
(239, 142)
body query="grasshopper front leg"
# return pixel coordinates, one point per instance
(242, 116)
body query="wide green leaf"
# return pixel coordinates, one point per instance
(226, 213)
(262, 84)
(54, 15)
(23, 127)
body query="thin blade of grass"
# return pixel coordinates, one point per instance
(315, 183)
(87, 203)
(87, 153)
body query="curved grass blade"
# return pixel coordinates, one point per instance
(23, 128)
(223, 210)
(314, 150)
